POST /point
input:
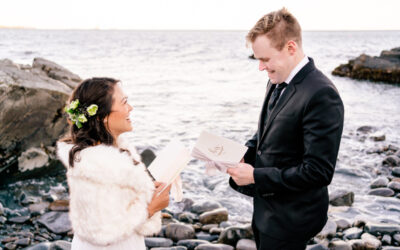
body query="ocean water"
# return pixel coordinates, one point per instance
(183, 82)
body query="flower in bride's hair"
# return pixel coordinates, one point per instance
(72, 117)
(82, 118)
(92, 109)
(78, 115)
(74, 104)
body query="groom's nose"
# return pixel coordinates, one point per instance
(261, 66)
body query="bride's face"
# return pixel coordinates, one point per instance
(118, 121)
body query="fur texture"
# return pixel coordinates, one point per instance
(109, 194)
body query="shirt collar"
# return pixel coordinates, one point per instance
(296, 69)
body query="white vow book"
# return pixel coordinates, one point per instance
(220, 153)
(168, 165)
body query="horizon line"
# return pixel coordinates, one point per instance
(135, 29)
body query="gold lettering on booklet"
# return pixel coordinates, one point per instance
(217, 150)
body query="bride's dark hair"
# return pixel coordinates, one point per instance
(97, 91)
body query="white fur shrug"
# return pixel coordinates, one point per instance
(108, 194)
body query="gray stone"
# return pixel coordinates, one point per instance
(390, 248)
(39, 208)
(370, 241)
(1, 209)
(246, 244)
(214, 247)
(318, 246)
(385, 192)
(41, 100)
(381, 228)
(341, 198)
(158, 242)
(3, 219)
(392, 160)
(396, 171)
(385, 68)
(206, 236)
(207, 227)
(328, 230)
(359, 223)
(216, 230)
(394, 185)
(59, 205)
(386, 239)
(61, 245)
(200, 207)
(379, 182)
(179, 231)
(191, 244)
(23, 242)
(342, 224)
(366, 129)
(10, 246)
(378, 136)
(56, 222)
(231, 235)
(19, 219)
(9, 239)
(339, 245)
(56, 72)
(32, 158)
(225, 224)
(352, 233)
(56, 245)
(215, 216)
(169, 248)
(396, 237)
(360, 244)
(187, 217)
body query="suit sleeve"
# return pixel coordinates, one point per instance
(322, 125)
(249, 158)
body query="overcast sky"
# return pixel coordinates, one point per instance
(197, 14)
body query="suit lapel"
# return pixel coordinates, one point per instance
(282, 101)
(270, 88)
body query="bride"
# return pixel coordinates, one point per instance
(114, 202)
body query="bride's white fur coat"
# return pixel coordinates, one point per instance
(108, 194)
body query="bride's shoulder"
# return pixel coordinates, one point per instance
(101, 154)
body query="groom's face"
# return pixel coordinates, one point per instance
(275, 62)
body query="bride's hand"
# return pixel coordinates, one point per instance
(159, 200)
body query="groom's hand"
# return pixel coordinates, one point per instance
(242, 174)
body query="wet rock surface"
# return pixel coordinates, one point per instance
(383, 68)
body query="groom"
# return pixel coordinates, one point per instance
(291, 159)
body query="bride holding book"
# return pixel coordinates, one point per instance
(114, 202)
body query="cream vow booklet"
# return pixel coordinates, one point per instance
(168, 165)
(219, 152)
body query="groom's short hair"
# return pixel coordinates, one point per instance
(279, 26)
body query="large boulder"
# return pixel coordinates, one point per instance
(31, 106)
(385, 68)
(56, 72)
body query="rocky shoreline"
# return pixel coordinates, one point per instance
(32, 100)
(385, 68)
(36, 217)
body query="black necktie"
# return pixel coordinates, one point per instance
(272, 101)
(275, 96)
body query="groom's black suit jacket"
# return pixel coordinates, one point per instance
(294, 157)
